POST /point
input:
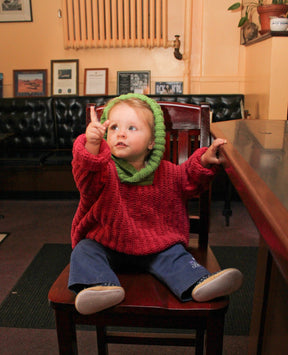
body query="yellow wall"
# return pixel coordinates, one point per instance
(214, 60)
(267, 73)
(217, 56)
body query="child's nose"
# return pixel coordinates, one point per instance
(122, 133)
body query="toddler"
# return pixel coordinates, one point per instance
(132, 209)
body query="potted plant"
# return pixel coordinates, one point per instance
(276, 8)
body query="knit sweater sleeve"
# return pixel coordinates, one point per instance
(196, 178)
(89, 169)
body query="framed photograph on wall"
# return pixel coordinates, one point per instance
(15, 11)
(64, 77)
(29, 83)
(169, 87)
(96, 81)
(133, 82)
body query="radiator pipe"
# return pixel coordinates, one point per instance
(176, 46)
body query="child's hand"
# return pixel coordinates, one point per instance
(95, 132)
(213, 153)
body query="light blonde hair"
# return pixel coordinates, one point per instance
(137, 104)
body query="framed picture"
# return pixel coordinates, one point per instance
(64, 77)
(134, 82)
(169, 87)
(15, 11)
(30, 82)
(96, 81)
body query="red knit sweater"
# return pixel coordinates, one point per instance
(134, 219)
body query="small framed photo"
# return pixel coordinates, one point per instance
(169, 87)
(15, 11)
(28, 83)
(96, 81)
(133, 82)
(64, 77)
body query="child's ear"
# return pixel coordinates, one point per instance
(151, 145)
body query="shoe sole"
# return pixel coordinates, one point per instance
(95, 299)
(221, 284)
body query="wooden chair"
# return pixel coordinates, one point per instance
(148, 303)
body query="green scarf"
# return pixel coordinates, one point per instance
(126, 172)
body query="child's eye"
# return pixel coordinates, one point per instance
(114, 127)
(132, 128)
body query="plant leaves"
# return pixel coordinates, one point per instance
(235, 6)
(242, 21)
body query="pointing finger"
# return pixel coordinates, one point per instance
(93, 116)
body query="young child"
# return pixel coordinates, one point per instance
(132, 210)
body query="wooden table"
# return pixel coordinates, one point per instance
(256, 161)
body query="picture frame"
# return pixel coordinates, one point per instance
(15, 11)
(30, 82)
(96, 81)
(169, 87)
(133, 82)
(64, 77)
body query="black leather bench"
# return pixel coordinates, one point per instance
(36, 156)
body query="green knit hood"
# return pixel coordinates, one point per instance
(126, 172)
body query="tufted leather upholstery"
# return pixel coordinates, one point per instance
(31, 121)
(223, 107)
(70, 111)
(33, 128)
(44, 128)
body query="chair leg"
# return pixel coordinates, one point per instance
(199, 345)
(215, 334)
(227, 211)
(66, 332)
(101, 341)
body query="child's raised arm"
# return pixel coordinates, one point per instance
(213, 153)
(95, 132)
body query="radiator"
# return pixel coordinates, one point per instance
(115, 23)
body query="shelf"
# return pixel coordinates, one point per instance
(266, 36)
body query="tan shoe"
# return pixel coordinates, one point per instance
(222, 283)
(95, 299)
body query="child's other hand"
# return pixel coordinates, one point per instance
(213, 154)
(95, 132)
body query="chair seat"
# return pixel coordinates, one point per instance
(146, 294)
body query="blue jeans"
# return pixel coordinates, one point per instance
(93, 264)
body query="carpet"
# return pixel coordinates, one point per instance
(26, 306)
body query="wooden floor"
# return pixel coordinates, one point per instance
(34, 223)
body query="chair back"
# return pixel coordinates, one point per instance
(187, 128)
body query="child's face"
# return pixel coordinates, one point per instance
(129, 134)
